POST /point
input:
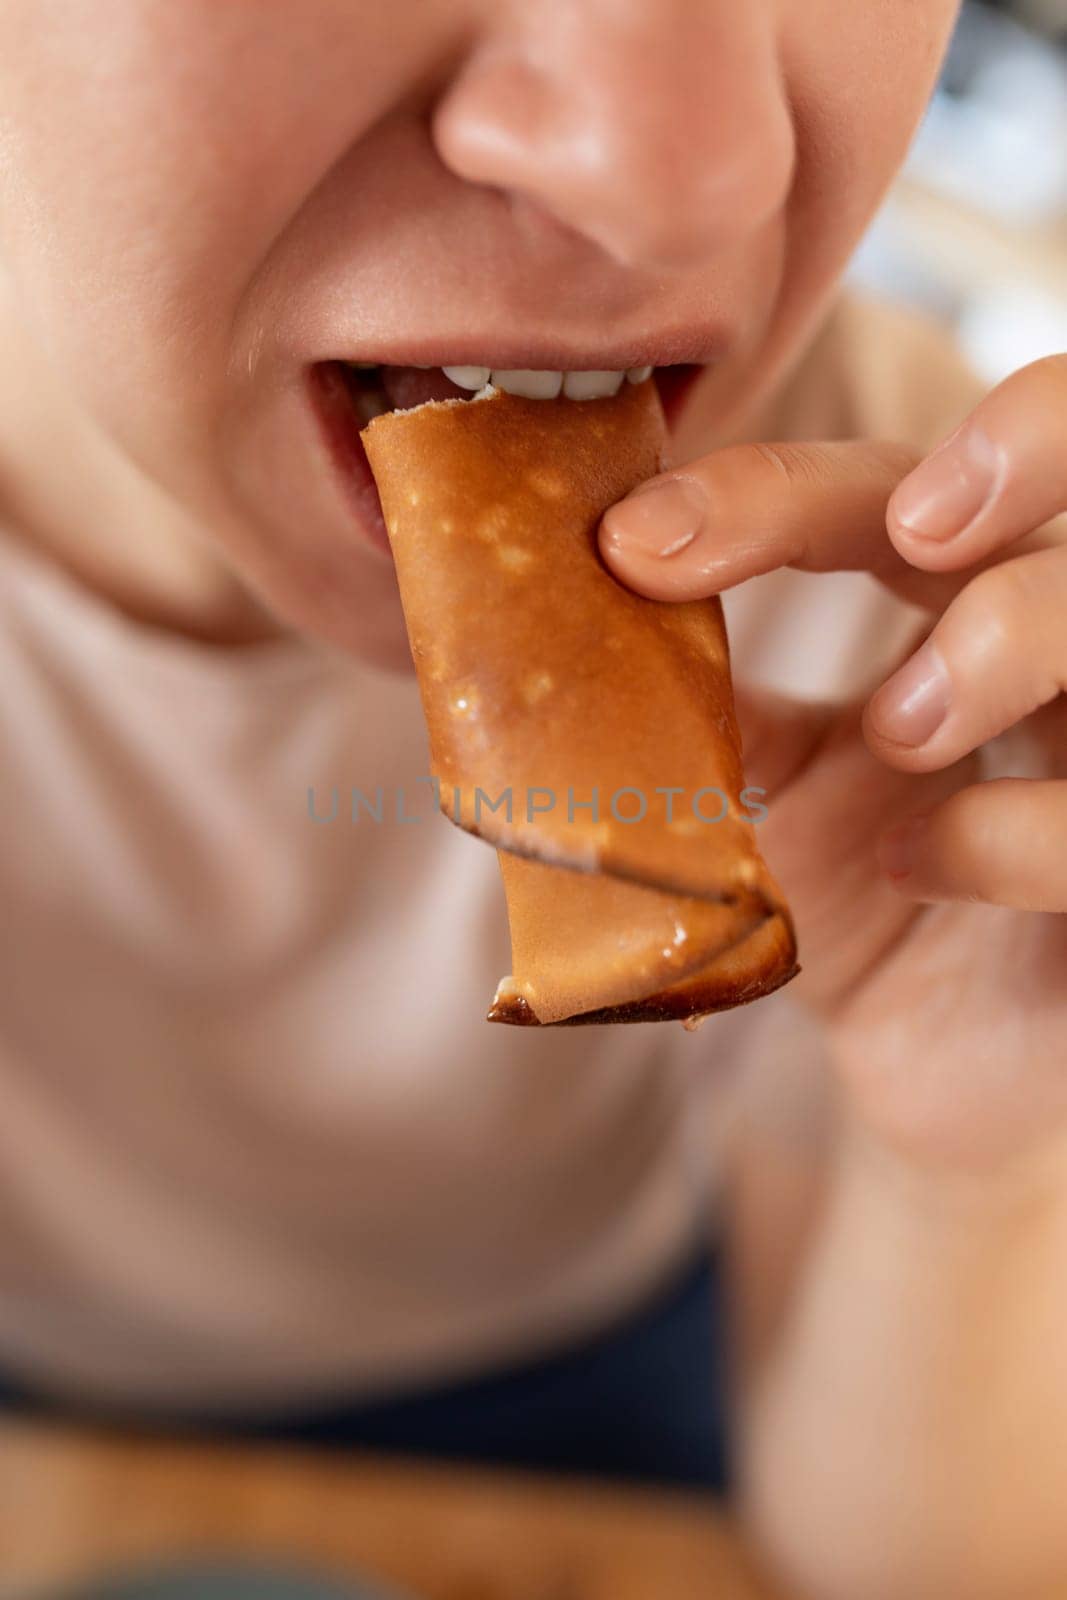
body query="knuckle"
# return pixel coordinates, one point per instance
(799, 467)
(815, 464)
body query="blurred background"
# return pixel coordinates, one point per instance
(976, 230)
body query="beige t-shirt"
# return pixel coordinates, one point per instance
(257, 1143)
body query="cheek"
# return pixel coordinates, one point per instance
(860, 75)
(857, 76)
(153, 154)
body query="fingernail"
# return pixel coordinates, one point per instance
(945, 494)
(911, 707)
(659, 519)
(898, 847)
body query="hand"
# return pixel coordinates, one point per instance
(930, 904)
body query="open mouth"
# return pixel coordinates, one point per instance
(347, 395)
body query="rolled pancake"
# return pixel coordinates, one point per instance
(635, 889)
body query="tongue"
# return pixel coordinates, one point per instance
(406, 387)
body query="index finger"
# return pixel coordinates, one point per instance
(748, 509)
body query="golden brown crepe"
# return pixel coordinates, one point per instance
(545, 680)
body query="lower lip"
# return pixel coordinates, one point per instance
(341, 429)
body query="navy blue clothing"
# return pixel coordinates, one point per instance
(643, 1401)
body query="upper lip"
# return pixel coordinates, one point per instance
(679, 347)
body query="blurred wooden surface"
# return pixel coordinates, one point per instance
(76, 1503)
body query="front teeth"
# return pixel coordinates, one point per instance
(531, 385)
(467, 377)
(592, 385)
(546, 385)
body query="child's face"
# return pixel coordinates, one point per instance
(201, 201)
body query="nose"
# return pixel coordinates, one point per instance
(660, 129)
